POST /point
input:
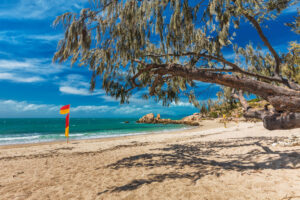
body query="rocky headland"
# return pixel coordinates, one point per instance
(192, 120)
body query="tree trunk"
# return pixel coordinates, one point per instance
(272, 120)
(285, 101)
(281, 98)
(282, 121)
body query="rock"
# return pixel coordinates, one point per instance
(274, 144)
(157, 117)
(192, 123)
(193, 117)
(149, 118)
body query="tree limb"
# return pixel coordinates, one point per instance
(235, 68)
(281, 98)
(272, 120)
(266, 42)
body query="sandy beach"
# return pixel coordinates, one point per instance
(242, 161)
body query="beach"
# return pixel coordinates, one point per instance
(242, 161)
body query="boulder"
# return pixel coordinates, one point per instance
(194, 117)
(157, 117)
(149, 118)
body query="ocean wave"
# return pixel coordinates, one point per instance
(19, 138)
(73, 134)
(36, 137)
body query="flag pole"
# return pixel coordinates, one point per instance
(67, 127)
(66, 110)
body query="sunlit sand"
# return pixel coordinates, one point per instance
(243, 161)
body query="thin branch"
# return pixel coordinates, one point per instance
(266, 42)
(155, 83)
(147, 68)
(239, 95)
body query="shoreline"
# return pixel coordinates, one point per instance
(206, 124)
(108, 137)
(47, 131)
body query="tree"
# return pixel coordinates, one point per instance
(203, 110)
(167, 46)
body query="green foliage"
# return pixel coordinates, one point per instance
(117, 39)
(296, 24)
(260, 64)
(291, 67)
(213, 114)
(254, 100)
(203, 109)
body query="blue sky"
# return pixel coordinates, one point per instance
(32, 86)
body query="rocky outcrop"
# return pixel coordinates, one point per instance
(149, 118)
(194, 117)
(157, 117)
(193, 120)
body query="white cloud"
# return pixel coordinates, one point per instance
(19, 108)
(107, 98)
(19, 37)
(36, 66)
(47, 38)
(13, 64)
(39, 9)
(91, 108)
(128, 109)
(181, 104)
(75, 79)
(20, 79)
(76, 84)
(75, 91)
(28, 70)
(23, 106)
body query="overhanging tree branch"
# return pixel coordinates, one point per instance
(267, 91)
(235, 68)
(272, 120)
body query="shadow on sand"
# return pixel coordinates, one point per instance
(207, 158)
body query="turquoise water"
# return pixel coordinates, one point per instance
(15, 131)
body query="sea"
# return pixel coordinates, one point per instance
(20, 131)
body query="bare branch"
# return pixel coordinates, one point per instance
(291, 98)
(242, 99)
(266, 42)
(235, 68)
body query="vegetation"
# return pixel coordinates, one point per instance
(167, 46)
(228, 106)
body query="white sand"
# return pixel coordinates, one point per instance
(210, 162)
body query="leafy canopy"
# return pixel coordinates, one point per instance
(121, 40)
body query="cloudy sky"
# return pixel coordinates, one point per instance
(32, 86)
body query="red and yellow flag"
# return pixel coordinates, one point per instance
(66, 110)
